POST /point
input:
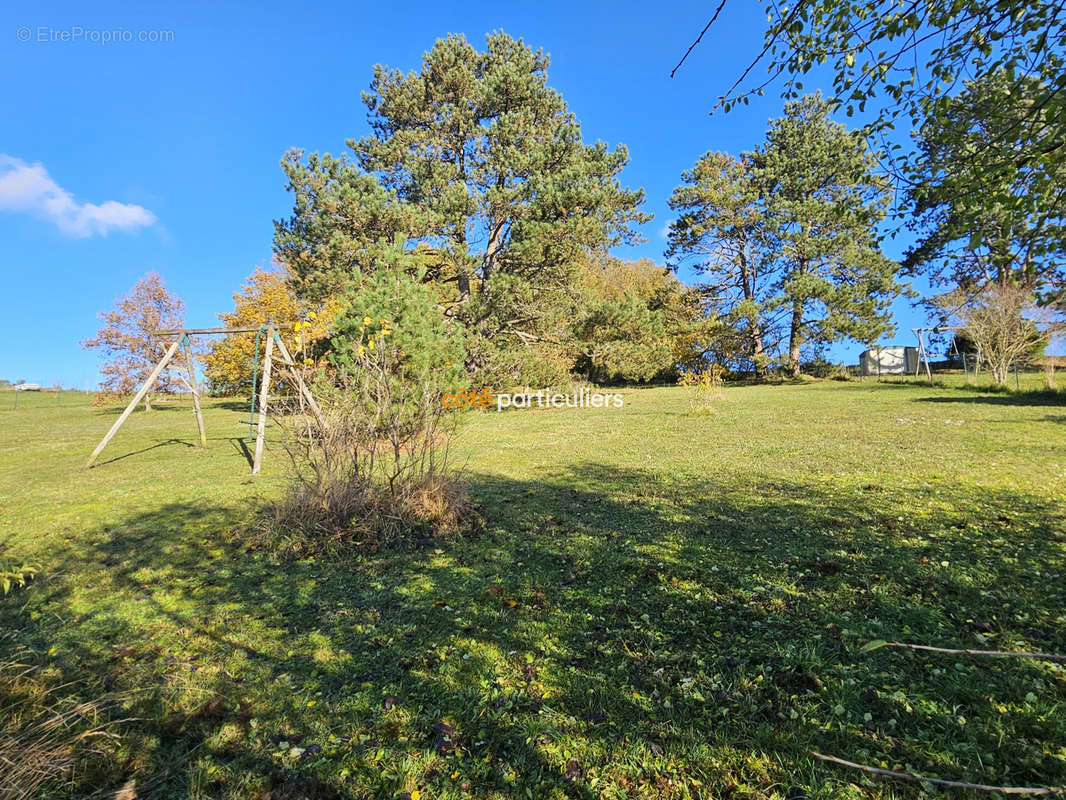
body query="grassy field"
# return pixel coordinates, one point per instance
(661, 605)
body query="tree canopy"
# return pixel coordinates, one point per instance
(126, 340)
(477, 159)
(787, 235)
(976, 223)
(636, 321)
(982, 80)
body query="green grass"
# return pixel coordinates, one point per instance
(661, 605)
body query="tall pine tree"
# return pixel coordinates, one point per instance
(722, 231)
(477, 158)
(823, 201)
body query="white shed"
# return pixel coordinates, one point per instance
(889, 360)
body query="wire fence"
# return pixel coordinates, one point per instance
(960, 371)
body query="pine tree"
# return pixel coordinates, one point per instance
(823, 201)
(722, 230)
(478, 159)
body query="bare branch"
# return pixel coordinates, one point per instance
(910, 776)
(692, 46)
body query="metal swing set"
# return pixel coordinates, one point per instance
(183, 343)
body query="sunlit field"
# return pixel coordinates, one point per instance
(660, 604)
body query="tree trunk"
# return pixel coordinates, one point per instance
(1000, 372)
(758, 353)
(492, 249)
(148, 402)
(747, 280)
(795, 339)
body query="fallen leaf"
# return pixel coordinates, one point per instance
(573, 770)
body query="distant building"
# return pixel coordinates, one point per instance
(889, 360)
(27, 387)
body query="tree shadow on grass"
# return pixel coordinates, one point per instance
(164, 443)
(240, 444)
(610, 628)
(230, 404)
(1034, 398)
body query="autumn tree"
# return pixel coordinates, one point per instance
(265, 297)
(636, 321)
(125, 338)
(477, 158)
(823, 200)
(723, 233)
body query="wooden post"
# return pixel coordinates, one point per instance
(264, 389)
(133, 403)
(187, 352)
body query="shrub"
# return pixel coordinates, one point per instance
(422, 339)
(371, 465)
(105, 398)
(705, 387)
(16, 576)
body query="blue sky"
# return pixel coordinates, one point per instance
(163, 155)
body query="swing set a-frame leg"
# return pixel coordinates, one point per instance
(191, 369)
(264, 393)
(148, 384)
(298, 380)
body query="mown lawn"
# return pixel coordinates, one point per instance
(661, 605)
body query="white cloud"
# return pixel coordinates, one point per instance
(28, 188)
(664, 231)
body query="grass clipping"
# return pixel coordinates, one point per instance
(369, 466)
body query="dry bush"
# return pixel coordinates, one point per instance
(106, 398)
(370, 466)
(46, 739)
(705, 387)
